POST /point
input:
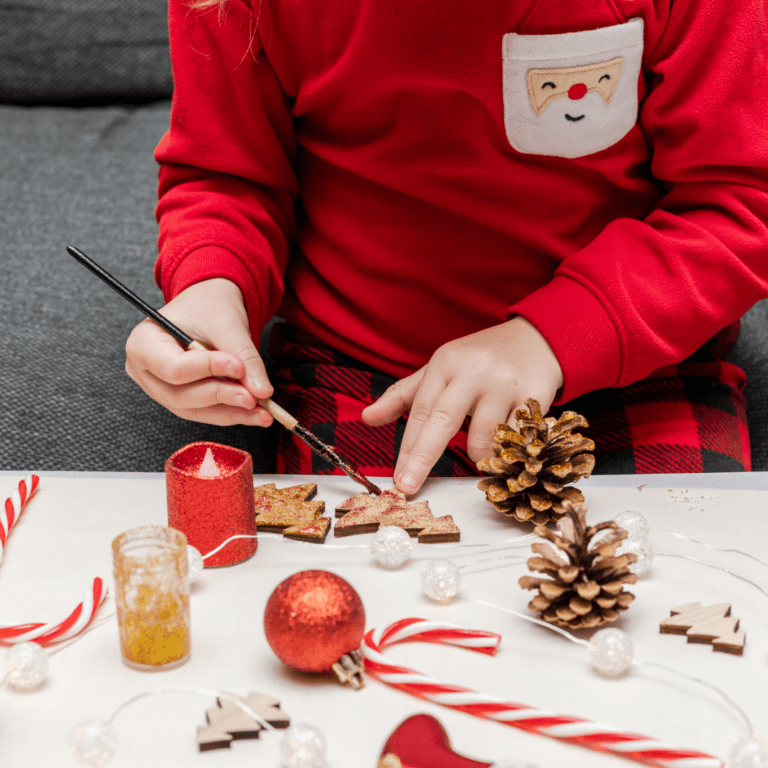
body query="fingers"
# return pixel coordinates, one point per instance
(211, 401)
(488, 413)
(438, 410)
(486, 376)
(205, 386)
(394, 402)
(152, 349)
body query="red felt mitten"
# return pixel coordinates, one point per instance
(422, 742)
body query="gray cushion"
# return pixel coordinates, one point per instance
(751, 354)
(84, 177)
(66, 50)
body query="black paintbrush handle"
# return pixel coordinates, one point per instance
(127, 293)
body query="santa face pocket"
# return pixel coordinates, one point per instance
(574, 94)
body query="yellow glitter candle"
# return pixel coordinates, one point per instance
(152, 596)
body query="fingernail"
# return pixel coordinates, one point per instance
(408, 480)
(259, 383)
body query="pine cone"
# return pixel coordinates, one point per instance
(586, 587)
(533, 465)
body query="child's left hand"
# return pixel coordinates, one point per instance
(486, 375)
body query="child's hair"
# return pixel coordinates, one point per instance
(200, 4)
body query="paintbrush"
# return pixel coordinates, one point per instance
(280, 415)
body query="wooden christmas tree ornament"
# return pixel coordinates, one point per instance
(533, 465)
(289, 511)
(228, 721)
(710, 624)
(584, 586)
(362, 513)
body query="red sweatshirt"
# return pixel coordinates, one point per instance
(389, 176)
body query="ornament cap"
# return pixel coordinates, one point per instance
(349, 669)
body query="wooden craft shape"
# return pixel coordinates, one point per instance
(710, 624)
(362, 513)
(289, 511)
(228, 722)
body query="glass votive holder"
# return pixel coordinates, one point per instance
(210, 508)
(152, 596)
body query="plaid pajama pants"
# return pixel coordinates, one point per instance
(689, 417)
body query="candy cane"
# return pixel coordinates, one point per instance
(566, 728)
(76, 622)
(13, 506)
(79, 619)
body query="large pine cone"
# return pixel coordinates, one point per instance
(585, 588)
(533, 466)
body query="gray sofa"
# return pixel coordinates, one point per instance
(84, 98)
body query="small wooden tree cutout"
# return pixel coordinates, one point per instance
(712, 624)
(229, 722)
(289, 511)
(363, 513)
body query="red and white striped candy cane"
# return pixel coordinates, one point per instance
(79, 619)
(13, 506)
(76, 622)
(575, 730)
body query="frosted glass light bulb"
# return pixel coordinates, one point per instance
(633, 523)
(302, 746)
(749, 752)
(195, 563)
(26, 665)
(93, 743)
(611, 652)
(644, 551)
(391, 546)
(440, 580)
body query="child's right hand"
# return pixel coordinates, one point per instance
(192, 383)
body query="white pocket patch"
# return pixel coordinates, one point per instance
(574, 94)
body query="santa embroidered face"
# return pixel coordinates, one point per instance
(574, 94)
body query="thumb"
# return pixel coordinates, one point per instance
(255, 378)
(236, 339)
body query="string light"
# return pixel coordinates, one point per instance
(391, 546)
(26, 666)
(93, 742)
(441, 580)
(302, 746)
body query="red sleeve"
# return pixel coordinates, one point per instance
(644, 294)
(226, 186)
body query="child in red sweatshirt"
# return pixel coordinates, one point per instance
(457, 206)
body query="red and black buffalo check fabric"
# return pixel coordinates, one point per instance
(689, 417)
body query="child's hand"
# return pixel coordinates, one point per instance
(486, 375)
(189, 383)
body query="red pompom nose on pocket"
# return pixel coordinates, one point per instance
(577, 91)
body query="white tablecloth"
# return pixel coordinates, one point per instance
(63, 540)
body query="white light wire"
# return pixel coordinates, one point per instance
(568, 636)
(190, 689)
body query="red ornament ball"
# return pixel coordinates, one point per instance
(312, 619)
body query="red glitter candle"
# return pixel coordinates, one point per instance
(208, 510)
